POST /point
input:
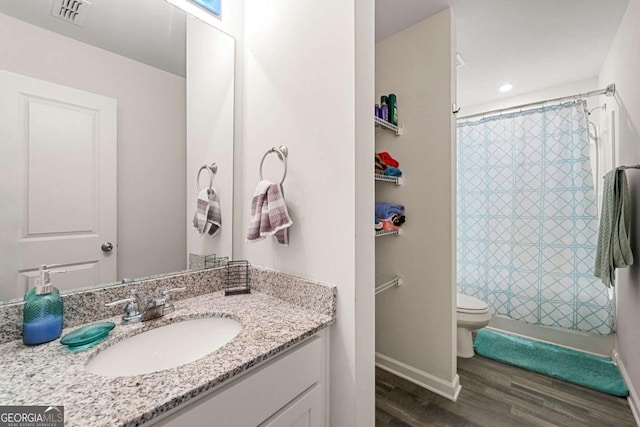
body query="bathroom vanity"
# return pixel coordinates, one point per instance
(289, 390)
(274, 372)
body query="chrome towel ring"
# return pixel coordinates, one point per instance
(282, 153)
(213, 168)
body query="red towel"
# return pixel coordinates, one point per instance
(388, 160)
(388, 225)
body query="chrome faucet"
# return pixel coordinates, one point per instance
(131, 312)
(156, 307)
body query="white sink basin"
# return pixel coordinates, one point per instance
(165, 347)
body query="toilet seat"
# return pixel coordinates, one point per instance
(470, 305)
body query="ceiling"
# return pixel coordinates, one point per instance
(533, 44)
(148, 31)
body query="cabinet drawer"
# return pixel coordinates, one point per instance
(254, 397)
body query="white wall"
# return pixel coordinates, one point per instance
(231, 19)
(151, 137)
(622, 67)
(210, 109)
(415, 323)
(365, 246)
(507, 101)
(300, 91)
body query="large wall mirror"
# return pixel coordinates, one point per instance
(109, 108)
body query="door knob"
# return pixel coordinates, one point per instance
(107, 247)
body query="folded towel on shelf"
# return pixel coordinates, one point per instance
(269, 214)
(397, 219)
(392, 171)
(387, 210)
(613, 250)
(388, 225)
(378, 224)
(387, 159)
(208, 217)
(380, 166)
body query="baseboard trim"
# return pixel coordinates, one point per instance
(601, 345)
(447, 389)
(634, 402)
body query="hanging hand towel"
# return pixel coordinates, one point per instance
(613, 250)
(269, 214)
(202, 210)
(208, 217)
(214, 217)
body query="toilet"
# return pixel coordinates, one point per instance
(472, 314)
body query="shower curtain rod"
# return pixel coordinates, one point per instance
(610, 90)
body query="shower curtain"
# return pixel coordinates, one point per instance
(527, 218)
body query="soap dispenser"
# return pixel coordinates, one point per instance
(42, 316)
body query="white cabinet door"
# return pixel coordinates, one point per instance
(257, 396)
(304, 411)
(57, 183)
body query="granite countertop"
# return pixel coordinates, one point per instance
(50, 374)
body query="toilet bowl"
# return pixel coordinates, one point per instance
(472, 314)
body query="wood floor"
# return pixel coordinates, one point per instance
(494, 395)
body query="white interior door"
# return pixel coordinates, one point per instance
(57, 184)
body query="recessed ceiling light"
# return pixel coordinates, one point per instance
(506, 87)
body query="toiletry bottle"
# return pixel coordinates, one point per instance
(42, 316)
(392, 105)
(384, 110)
(377, 110)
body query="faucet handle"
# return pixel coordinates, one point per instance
(120, 301)
(131, 312)
(168, 305)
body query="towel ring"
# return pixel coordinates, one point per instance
(213, 168)
(282, 153)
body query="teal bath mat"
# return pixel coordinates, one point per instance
(587, 370)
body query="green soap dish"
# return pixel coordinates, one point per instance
(87, 336)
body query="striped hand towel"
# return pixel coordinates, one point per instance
(214, 217)
(269, 214)
(208, 217)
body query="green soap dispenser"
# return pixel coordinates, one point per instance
(42, 315)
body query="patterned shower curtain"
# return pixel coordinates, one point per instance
(527, 218)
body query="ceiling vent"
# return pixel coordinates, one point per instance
(74, 11)
(459, 61)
